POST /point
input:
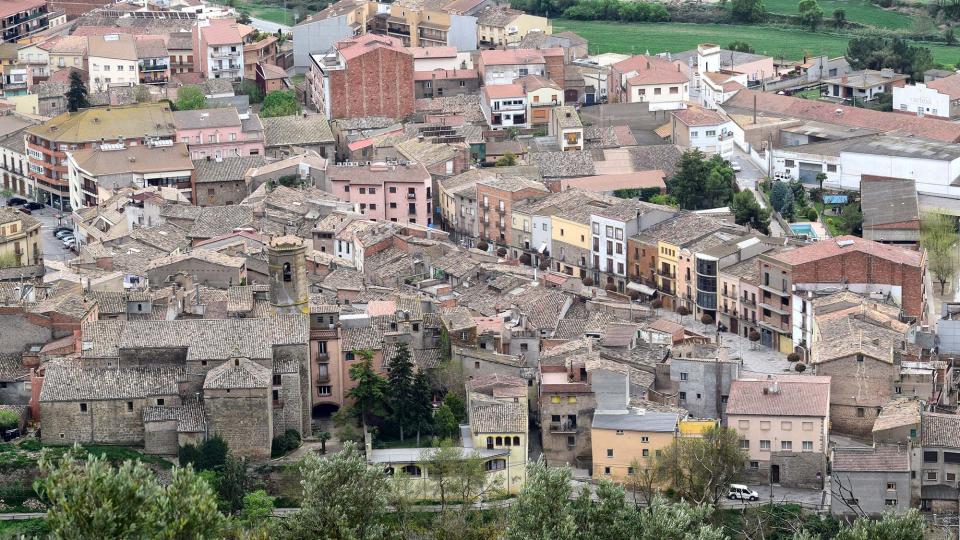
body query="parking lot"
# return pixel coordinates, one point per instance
(50, 219)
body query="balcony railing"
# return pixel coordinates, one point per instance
(153, 67)
(775, 290)
(224, 54)
(667, 274)
(563, 427)
(747, 302)
(323, 377)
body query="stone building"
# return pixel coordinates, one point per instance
(288, 274)
(936, 461)
(237, 402)
(870, 480)
(223, 181)
(209, 268)
(703, 373)
(168, 427)
(566, 410)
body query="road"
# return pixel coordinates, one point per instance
(53, 249)
(269, 26)
(747, 179)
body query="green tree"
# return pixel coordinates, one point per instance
(542, 509)
(251, 90)
(422, 404)
(821, 178)
(190, 98)
(9, 419)
(328, 510)
(699, 470)
(257, 508)
(747, 211)
(839, 17)
(507, 160)
(456, 476)
(950, 37)
(400, 394)
(92, 499)
(851, 219)
(368, 394)
(748, 10)
(874, 52)
(700, 183)
(279, 103)
(212, 454)
(811, 14)
(77, 94)
(664, 200)
(938, 235)
(445, 423)
(781, 199)
(740, 46)
(233, 484)
(457, 406)
(906, 526)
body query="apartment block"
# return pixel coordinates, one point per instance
(218, 49)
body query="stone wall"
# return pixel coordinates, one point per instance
(103, 421)
(225, 192)
(243, 417)
(799, 469)
(866, 385)
(555, 448)
(160, 438)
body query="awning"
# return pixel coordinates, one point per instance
(664, 131)
(542, 248)
(641, 288)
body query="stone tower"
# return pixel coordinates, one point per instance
(287, 265)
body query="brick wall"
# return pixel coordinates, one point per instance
(376, 83)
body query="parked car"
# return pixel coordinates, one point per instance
(742, 492)
(69, 242)
(61, 232)
(24, 209)
(735, 166)
(10, 434)
(32, 205)
(16, 201)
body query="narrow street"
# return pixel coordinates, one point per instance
(748, 178)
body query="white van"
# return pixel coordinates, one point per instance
(742, 492)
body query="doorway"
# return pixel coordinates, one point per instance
(774, 474)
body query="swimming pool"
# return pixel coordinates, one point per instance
(804, 229)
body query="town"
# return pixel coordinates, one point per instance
(433, 270)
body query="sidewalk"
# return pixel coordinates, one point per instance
(756, 357)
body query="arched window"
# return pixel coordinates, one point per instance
(495, 465)
(499, 441)
(516, 441)
(489, 443)
(506, 441)
(286, 272)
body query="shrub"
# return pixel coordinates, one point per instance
(9, 419)
(812, 214)
(683, 311)
(187, 454)
(525, 259)
(800, 368)
(753, 335)
(656, 304)
(588, 281)
(284, 444)
(483, 245)
(706, 319)
(793, 357)
(501, 252)
(210, 455)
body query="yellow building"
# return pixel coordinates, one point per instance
(696, 427)
(417, 25)
(668, 260)
(498, 407)
(622, 439)
(20, 243)
(502, 26)
(570, 238)
(542, 96)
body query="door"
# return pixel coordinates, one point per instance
(774, 474)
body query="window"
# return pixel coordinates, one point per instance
(323, 390)
(765, 425)
(789, 163)
(129, 406)
(496, 465)
(743, 424)
(831, 168)
(83, 407)
(711, 133)
(646, 452)
(629, 470)
(609, 452)
(931, 456)
(808, 426)
(644, 439)
(674, 89)
(860, 412)
(373, 206)
(160, 401)
(683, 376)
(694, 134)
(890, 502)
(951, 477)
(350, 355)
(683, 396)
(786, 445)
(554, 399)
(765, 445)
(393, 205)
(931, 475)
(808, 446)
(755, 465)
(657, 91)
(516, 440)
(412, 470)
(571, 399)
(606, 470)
(891, 486)
(951, 457)
(392, 190)
(744, 444)
(363, 191)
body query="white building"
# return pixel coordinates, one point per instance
(707, 130)
(610, 228)
(504, 106)
(940, 98)
(645, 79)
(113, 62)
(504, 67)
(432, 58)
(218, 45)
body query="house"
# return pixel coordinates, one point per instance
(710, 58)
(321, 31)
(23, 19)
(445, 82)
(67, 52)
(566, 127)
(398, 193)
(20, 239)
(936, 461)
(209, 268)
(864, 85)
(500, 26)
(611, 226)
(419, 23)
(180, 47)
(939, 98)
(380, 65)
(566, 404)
(706, 130)
(14, 170)
(113, 62)
(784, 425)
(96, 173)
(542, 96)
(218, 49)
(622, 440)
(153, 61)
(496, 197)
(499, 67)
(270, 78)
(263, 52)
(891, 212)
(219, 133)
(284, 135)
(504, 106)
(498, 416)
(648, 79)
(48, 143)
(871, 480)
(703, 373)
(223, 181)
(898, 421)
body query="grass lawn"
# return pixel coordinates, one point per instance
(638, 38)
(266, 10)
(861, 11)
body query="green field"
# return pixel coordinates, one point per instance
(861, 11)
(266, 10)
(638, 38)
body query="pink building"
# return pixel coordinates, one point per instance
(219, 133)
(399, 193)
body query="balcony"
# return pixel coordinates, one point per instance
(224, 54)
(323, 377)
(776, 290)
(747, 302)
(778, 308)
(726, 293)
(228, 67)
(666, 274)
(563, 427)
(153, 67)
(411, 196)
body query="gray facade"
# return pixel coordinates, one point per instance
(948, 329)
(703, 383)
(871, 480)
(317, 37)
(463, 32)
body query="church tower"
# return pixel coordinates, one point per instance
(287, 265)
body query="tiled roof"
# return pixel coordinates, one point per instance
(662, 157)
(655, 422)
(457, 319)
(296, 130)
(897, 413)
(211, 257)
(501, 91)
(871, 459)
(11, 367)
(695, 115)
(226, 169)
(818, 251)
(940, 430)
(88, 125)
(797, 396)
(682, 229)
(366, 337)
(65, 382)
(238, 373)
(511, 57)
(206, 118)
(490, 416)
(947, 85)
(189, 416)
(216, 220)
(563, 164)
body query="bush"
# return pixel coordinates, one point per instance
(483, 245)
(706, 319)
(800, 368)
(588, 281)
(812, 214)
(656, 304)
(525, 259)
(9, 419)
(210, 455)
(501, 252)
(793, 357)
(286, 443)
(187, 454)
(683, 311)
(753, 335)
